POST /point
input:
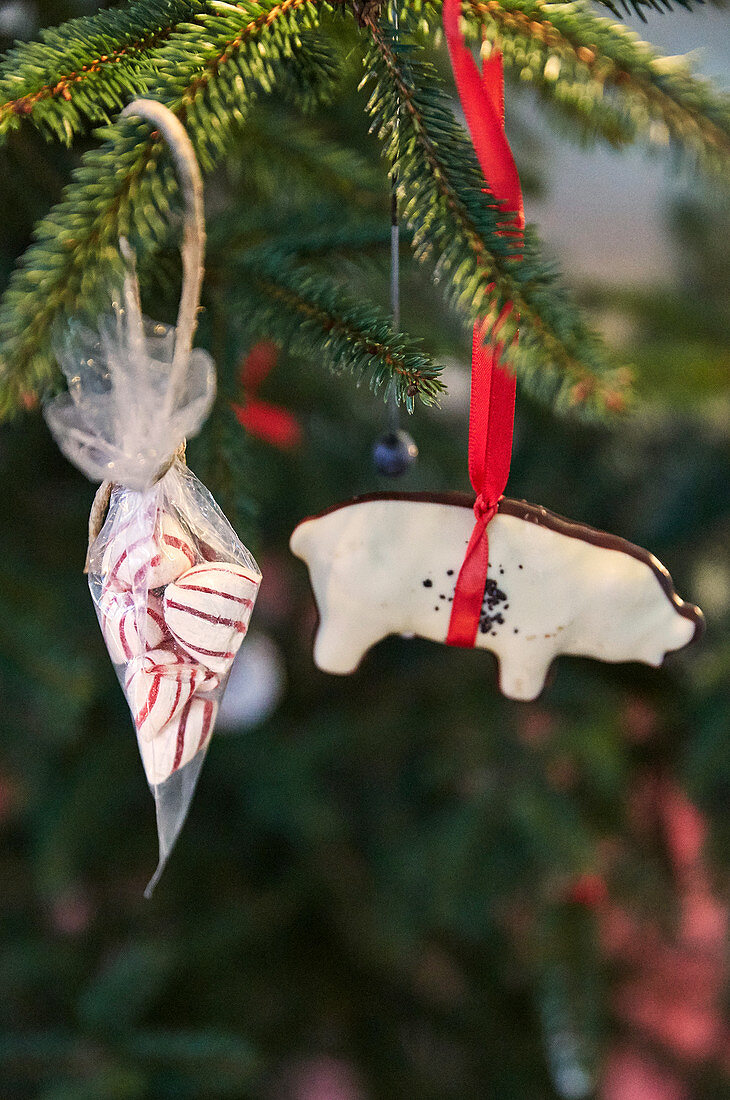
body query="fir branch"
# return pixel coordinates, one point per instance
(209, 72)
(453, 223)
(309, 159)
(305, 311)
(358, 236)
(638, 7)
(86, 69)
(605, 77)
(235, 232)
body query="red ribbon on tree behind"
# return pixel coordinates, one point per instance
(269, 422)
(491, 413)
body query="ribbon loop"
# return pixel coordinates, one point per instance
(491, 413)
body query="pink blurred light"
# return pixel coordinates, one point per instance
(326, 1079)
(674, 995)
(631, 1075)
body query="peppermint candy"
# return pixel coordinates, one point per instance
(187, 734)
(161, 684)
(207, 611)
(128, 634)
(137, 556)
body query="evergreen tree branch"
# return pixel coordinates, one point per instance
(638, 7)
(311, 161)
(360, 237)
(234, 233)
(300, 308)
(594, 69)
(454, 223)
(209, 72)
(86, 69)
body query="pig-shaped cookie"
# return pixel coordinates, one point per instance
(388, 564)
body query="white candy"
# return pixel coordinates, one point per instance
(135, 557)
(181, 739)
(119, 625)
(207, 611)
(159, 685)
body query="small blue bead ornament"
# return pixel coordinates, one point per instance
(394, 453)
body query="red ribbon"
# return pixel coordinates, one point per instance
(269, 422)
(491, 413)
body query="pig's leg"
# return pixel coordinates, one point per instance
(340, 645)
(523, 679)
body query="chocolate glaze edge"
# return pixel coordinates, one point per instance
(536, 513)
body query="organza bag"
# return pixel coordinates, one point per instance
(172, 584)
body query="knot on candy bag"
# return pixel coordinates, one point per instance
(172, 584)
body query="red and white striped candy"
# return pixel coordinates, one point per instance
(207, 611)
(159, 685)
(186, 735)
(118, 618)
(137, 556)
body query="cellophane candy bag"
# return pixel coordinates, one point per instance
(172, 584)
(173, 589)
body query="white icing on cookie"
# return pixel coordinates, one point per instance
(389, 565)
